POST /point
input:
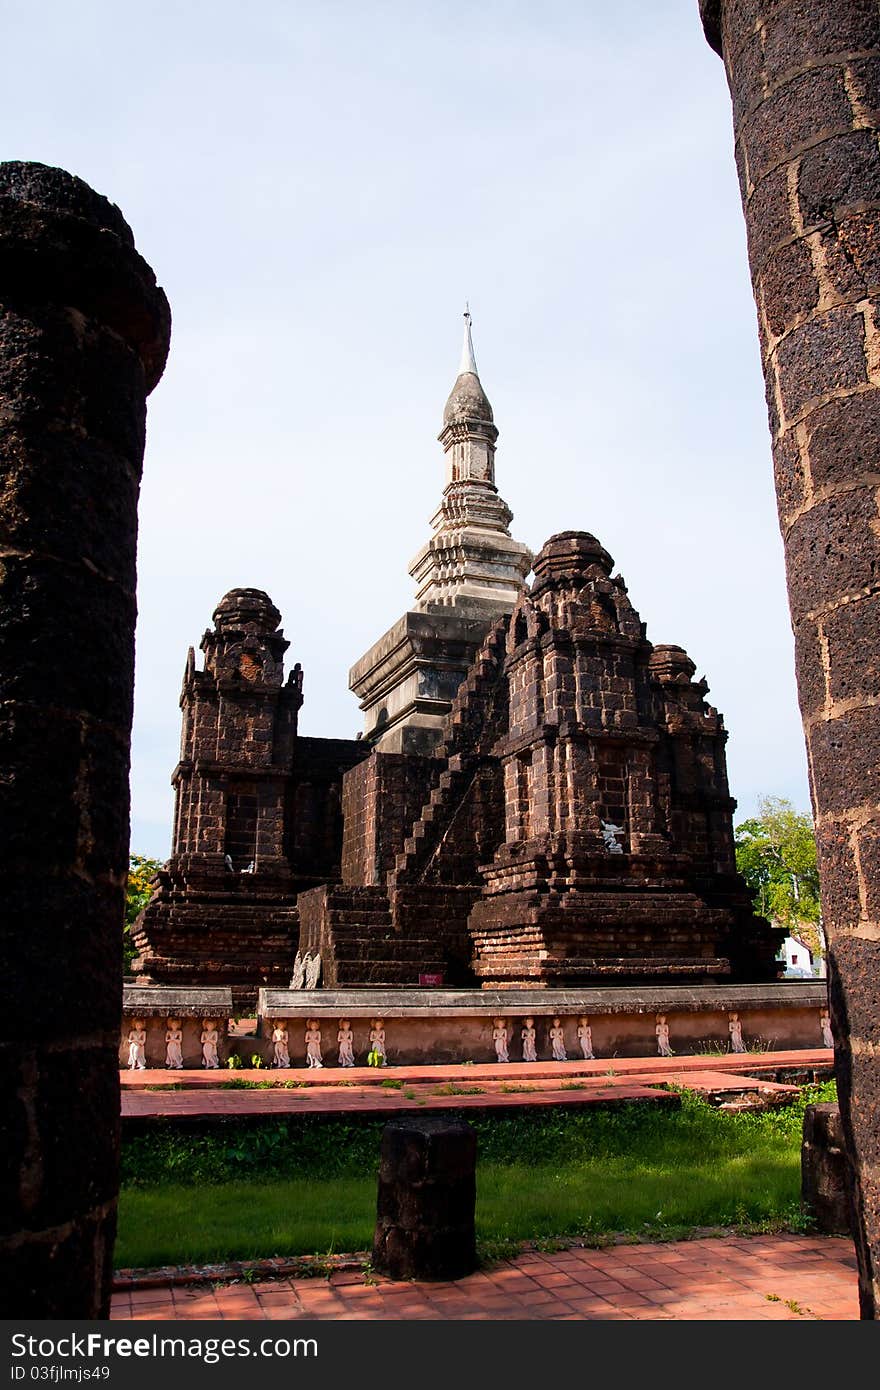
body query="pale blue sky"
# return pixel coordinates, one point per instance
(319, 186)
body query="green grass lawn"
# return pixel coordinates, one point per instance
(308, 1186)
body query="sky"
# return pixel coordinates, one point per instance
(320, 185)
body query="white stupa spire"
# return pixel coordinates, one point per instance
(468, 362)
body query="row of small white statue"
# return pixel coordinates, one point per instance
(501, 1037)
(210, 1040)
(344, 1041)
(556, 1037)
(137, 1044)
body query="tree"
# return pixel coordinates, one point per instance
(776, 855)
(138, 891)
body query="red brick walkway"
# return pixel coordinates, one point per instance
(779, 1277)
(146, 1094)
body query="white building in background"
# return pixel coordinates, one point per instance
(799, 959)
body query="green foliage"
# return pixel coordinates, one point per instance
(138, 890)
(776, 855)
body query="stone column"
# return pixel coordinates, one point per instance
(824, 1184)
(426, 1198)
(805, 83)
(84, 334)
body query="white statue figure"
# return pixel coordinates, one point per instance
(174, 1045)
(610, 832)
(557, 1042)
(251, 868)
(345, 1038)
(662, 1031)
(210, 1041)
(735, 1029)
(377, 1039)
(585, 1038)
(313, 972)
(137, 1041)
(298, 972)
(528, 1041)
(313, 1044)
(280, 1039)
(499, 1037)
(825, 1025)
(227, 860)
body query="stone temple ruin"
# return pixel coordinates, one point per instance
(539, 799)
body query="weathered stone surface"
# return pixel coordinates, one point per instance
(84, 333)
(824, 1184)
(826, 370)
(426, 1199)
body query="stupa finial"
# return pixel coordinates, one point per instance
(468, 362)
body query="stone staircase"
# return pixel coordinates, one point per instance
(473, 726)
(355, 933)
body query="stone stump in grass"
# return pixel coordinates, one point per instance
(426, 1199)
(824, 1188)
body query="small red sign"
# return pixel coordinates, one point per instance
(430, 979)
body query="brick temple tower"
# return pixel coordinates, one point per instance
(469, 572)
(236, 753)
(256, 815)
(618, 859)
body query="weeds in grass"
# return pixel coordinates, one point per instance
(509, 1088)
(392, 1083)
(491, 1251)
(452, 1089)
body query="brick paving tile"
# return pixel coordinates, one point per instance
(632, 1299)
(723, 1279)
(642, 1282)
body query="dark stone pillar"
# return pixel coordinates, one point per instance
(824, 1181)
(427, 1193)
(83, 338)
(805, 82)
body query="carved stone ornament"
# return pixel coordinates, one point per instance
(299, 973)
(280, 1039)
(662, 1031)
(610, 833)
(557, 1042)
(174, 1045)
(210, 1040)
(313, 1044)
(529, 1052)
(585, 1039)
(313, 971)
(137, 1039)
(735, 1029)
(500, 1039)
(377, 1039)
(345, 1038)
